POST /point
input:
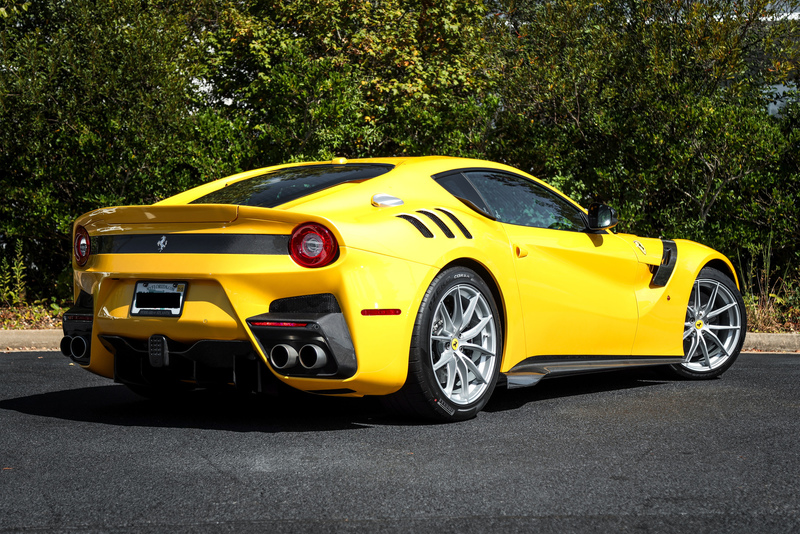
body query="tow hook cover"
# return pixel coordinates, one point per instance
(158, 351)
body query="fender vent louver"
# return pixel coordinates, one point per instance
(439, 223)
(457, 223)
(417, 224)
(668, 260)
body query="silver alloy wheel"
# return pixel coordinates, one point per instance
(713, 326)
(463, 345)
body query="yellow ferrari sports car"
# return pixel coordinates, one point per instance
(427, 281)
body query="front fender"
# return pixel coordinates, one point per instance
(662, 310)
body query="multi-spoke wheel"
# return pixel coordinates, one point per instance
(715, 326)
(455, 349)
(463, 348)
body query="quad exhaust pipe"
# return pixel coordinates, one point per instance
(76, 347)
(309, 357)
(64, 346)
(79, 347)
(312, 357)
(283, 356)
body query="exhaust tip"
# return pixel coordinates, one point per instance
(283, 356)
(312, 357)
(66, 341)
(79, 347)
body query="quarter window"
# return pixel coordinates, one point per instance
(460, 187)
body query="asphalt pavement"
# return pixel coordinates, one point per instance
(619, 451)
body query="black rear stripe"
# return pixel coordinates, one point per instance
(190, 244)
(417, 224)
(457, 223)
(438, 222)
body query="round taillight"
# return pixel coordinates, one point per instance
(313, 245)
(82, 246)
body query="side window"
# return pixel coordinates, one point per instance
(516, 200)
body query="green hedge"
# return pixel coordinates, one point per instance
(659, 108)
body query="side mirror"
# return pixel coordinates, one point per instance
(602, 217)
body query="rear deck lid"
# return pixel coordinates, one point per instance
(126, 215)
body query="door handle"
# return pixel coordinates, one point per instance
(520, 252)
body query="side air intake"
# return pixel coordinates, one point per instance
(416, 223)
(456, 222)
(442, 226)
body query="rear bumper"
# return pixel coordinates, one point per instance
(346, 351)
(159, 361)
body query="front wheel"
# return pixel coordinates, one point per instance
(455, 352)
(714, 328)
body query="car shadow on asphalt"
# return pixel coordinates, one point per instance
(573, 386)
(296, 412)
(204, 409)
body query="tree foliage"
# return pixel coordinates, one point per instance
(98, 106)
(660, 108)
(354, 78)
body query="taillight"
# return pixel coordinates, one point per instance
(82, 246)
(313, 245)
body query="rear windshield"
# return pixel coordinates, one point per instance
(278, 187)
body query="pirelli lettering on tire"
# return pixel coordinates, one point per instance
(446, 407)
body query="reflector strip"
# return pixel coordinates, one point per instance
(384, 311)
(277, 323)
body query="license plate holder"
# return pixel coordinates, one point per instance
(158, 299)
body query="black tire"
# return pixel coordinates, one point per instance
(468, 355)
(714, 331)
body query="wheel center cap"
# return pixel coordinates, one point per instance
(698, 325)
(454, 344)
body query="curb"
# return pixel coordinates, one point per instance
(772, 342)
(50, 340)
(30, 339)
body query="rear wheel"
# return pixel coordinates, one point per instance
(714, 328)
(455, 352)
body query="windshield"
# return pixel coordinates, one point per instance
(280, 186)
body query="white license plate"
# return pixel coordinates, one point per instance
(159, 299)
